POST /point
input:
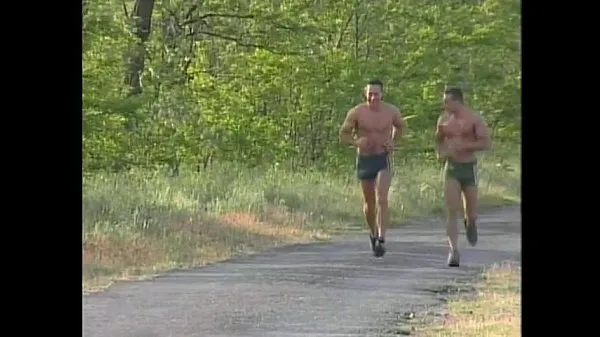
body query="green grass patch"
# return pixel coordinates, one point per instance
(142, 223)
(495, 311)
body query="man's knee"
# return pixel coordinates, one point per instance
(453, 205)
(470, 202)
(382, 200)
(452, 197)
(452, 214)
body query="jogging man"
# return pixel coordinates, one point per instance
(460, 133)
(376, 125)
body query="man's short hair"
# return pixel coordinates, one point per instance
(376, 82)
(455, 93)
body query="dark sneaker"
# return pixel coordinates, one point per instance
(379, 250)
(373, 242)
(453, 259)
(471, 232)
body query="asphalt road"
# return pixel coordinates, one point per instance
(324, 289)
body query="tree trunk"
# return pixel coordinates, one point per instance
(142, 22)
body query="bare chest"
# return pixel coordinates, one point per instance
(459, 128)
(375, 122)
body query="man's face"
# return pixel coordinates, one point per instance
(450, 104)
(373, 93)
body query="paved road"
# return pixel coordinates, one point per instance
(325, 289)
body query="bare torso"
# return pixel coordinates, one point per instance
(457, 129)
(376, 126)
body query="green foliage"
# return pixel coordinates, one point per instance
(270, 81)
(151, 203)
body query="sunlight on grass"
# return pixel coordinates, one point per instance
(141, 223)
(496, 311)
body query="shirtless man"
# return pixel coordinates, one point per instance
(377, 125)
(460, 133)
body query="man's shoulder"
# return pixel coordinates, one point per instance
(392, 107)
(476, 116)
(354, 111)
(443, 117)
(359, 107)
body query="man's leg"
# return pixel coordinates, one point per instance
(470, 203)
(470, 206)
(382, 190)
(383, 185)
(368, 190)
(384, 178)
(452, 198)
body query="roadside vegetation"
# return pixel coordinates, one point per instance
(210, 129)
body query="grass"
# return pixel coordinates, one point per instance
(144, 223)
(495, 312)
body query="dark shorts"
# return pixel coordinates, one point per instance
(368, 166)
(464, 173)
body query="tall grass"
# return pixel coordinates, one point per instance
(144, 222)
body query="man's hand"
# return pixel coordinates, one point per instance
(454, 145)
(442, 151)
(440, 130)
(449, 147)
(389, 145)
(483, 140)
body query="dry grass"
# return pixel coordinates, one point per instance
(108, 258)
(139, 224)
(496, 312)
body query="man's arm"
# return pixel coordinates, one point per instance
(398, 124)
(483, 140)
(347, 129)
(439, 137)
